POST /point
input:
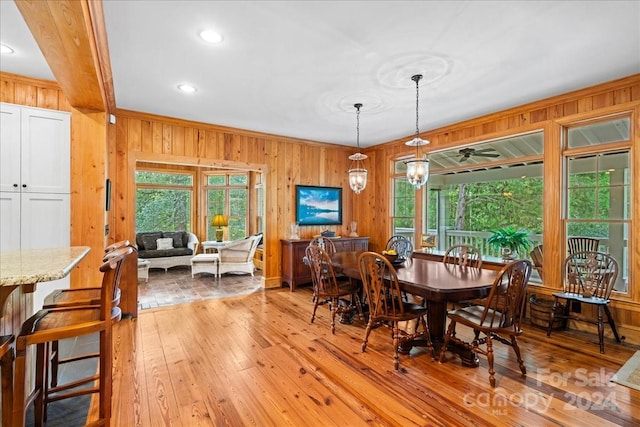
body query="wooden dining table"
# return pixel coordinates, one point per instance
(439, 284)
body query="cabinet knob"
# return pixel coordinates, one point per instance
(15, 185)
(24, 185)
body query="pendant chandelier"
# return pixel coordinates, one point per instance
(357, 172)
(417, 169)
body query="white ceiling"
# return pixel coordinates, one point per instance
(296, 68)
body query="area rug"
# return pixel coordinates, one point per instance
(629, 374)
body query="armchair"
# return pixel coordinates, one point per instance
(237, 257)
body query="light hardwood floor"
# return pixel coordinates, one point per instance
(256, 360)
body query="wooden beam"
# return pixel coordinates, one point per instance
(64, 33)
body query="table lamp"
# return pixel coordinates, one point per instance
(219, 221)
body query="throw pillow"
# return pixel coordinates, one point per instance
(165, 243)
(149, 241)
(178, 238)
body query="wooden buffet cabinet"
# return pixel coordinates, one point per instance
(295, 272)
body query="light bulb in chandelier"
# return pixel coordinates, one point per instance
(418, 168)
(357, 172)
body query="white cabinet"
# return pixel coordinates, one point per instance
(35, 154)
(35, 199)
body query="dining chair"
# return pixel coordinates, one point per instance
(325, 243)
(402, 246)
(589, 278)
(89, 296)
(500, 316)
(536, 257)
(54, 324)
(463, 256)
(582, 244)
(327, 289)
(387, 307)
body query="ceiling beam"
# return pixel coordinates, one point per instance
(68, 34)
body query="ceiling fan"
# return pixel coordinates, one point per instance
(465, 153)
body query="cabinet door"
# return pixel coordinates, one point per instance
(45, 220)
(9, 221)
(9, 148)
(45, 151)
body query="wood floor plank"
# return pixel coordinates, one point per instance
(256, 360)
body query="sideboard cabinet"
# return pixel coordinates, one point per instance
(294, 270)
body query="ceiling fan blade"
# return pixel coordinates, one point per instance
(486, 154)
(463, 159)
(484, 150)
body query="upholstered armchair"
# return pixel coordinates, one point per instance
(237, 257)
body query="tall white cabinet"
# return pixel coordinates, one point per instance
(35, 187)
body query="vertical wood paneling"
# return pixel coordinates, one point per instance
(288, 161)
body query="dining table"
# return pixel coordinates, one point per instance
(438, 284)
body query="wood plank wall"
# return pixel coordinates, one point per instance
(88, 173)
(284, 162)
(289, 161)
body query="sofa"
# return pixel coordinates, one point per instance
(166, 249)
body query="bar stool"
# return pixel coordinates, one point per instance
(6, 364)
(60, 298)
(61, 323)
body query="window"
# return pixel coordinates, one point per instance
(403, 203)
(597, 189)
(489, 185)
(163, 201)
(228, 194)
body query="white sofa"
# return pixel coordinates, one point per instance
(237, 257)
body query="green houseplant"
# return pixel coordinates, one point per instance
(510, 241)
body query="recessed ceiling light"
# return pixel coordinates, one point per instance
(5, 49)
(187, 88)
(210, 36)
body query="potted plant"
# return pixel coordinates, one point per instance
(510, 241)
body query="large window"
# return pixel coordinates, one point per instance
(474, 190)
(228, 194)
(163, 201)
(597, 194)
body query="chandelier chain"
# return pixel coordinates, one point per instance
(417, 79)
(358, 124)
(358, 128)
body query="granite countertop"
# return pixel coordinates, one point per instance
(28, 266)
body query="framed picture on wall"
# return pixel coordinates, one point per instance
(318, 205)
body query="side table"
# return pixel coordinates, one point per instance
(143, 269)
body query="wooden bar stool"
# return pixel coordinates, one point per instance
(6, 364)
(60, 298)
(55, 324)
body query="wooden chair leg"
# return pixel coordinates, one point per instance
(315, 307)
(55, 357)
(333, 306)
(106, 384)
(396, 343)
(514, 344)
(490, 357)
(19, 392)
(6, 364)
(600, 323)
(39, 405)
(612, 323)
(366, 334)
(450, 331)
